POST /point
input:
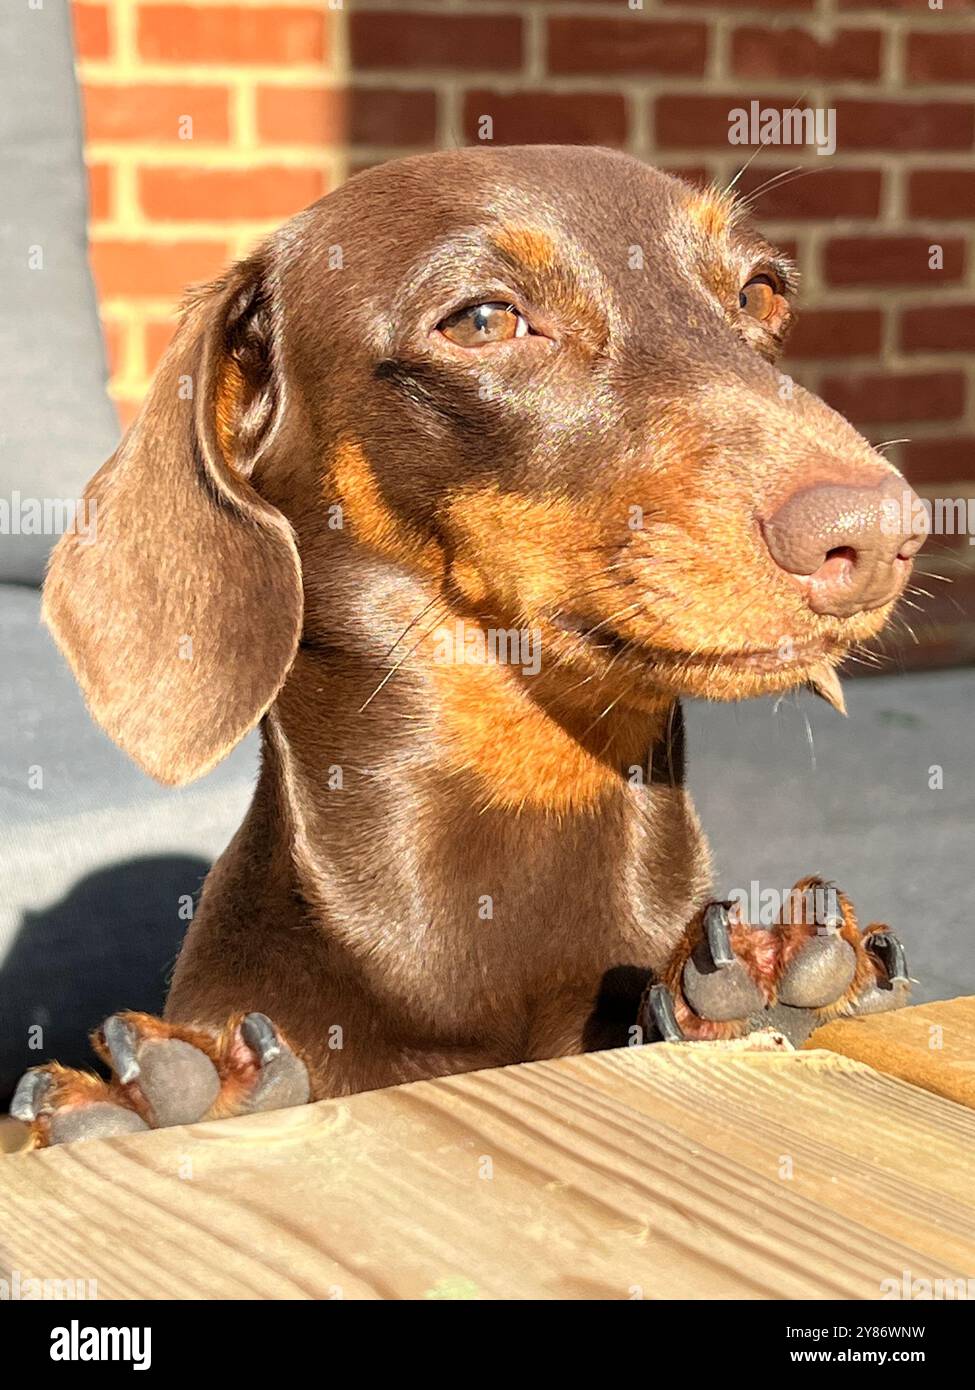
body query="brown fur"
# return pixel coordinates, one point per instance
(530, 248)
(507, 857)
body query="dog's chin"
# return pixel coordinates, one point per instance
(743, 675)
(726, 667)
(727, 672)
(645, 676)
(723, 672)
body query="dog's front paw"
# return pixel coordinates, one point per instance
(162, 1074)
(728, 978)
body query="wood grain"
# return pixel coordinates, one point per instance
(12, 1135)
(930, 1045)
(657, 1172)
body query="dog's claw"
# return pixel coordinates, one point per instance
(28, 1098)
(890, 952)
(120, 1039)
(163, 1074)
(660, 1004)
(727, 979)
(258, 1032)
(283, 1079)
(719, 938)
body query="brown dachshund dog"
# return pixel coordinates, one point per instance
(455, 486)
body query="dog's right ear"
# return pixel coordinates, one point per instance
(179, 604)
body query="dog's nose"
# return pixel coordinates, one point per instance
(848, 543)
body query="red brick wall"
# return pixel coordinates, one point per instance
(288, 96)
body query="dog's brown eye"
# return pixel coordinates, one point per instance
(758, 297)
(484, 323)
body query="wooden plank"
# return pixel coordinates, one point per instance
(654, 1172)
(13, 1135)
(929, 1045)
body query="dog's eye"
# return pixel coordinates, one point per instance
(758, 297)
(484, 323)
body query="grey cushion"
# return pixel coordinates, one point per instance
(849, 799)
(95, 858)
(56, 423)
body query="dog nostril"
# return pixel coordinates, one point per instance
(837, 566)
(842, 552)
(847, 544)
(911, 546)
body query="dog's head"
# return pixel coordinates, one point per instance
(541, 382)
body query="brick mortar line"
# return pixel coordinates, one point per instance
(654, 12)
(897, 299)
(173, 232)
(894, 192)
(122, 34)
(886, 159)
(101, 74)
(450, 123)
(639, 117)
(133, 6)
(680, 84)
(895, 53)
(573, 9)
(638, 97)
(92, 72)
(881, 159)
(719, 58)
(151, 310)
(210, 155)
(243, 117)
(779, 88)
(338, 64)
(126, 192)
(925, 360)
(202, 71)
(534, 48)
(865, 227)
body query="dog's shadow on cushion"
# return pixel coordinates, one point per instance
(108, 944)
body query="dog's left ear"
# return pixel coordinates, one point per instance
(178, 602)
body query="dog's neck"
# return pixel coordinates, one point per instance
(470, 742)
(417, 774)
(503, 734)
(453, 826)
(409, 676)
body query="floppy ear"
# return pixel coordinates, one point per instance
(180, 609)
